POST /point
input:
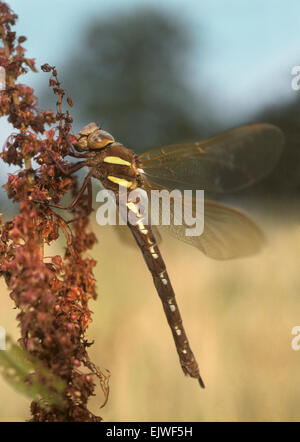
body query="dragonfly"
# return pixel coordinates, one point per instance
(222, 164)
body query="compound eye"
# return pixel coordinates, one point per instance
(99, 139)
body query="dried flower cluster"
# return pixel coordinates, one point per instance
(52, 294)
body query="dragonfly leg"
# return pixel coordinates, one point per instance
(90, 203)
(86, 184)
(70, 170)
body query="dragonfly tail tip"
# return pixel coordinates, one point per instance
(202, 385)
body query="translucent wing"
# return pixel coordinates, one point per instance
(227, 162)
(228, 233)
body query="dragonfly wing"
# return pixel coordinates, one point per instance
(228, 233)
(224, 163)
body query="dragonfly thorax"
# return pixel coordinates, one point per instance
(118, 167)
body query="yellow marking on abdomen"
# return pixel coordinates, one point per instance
(142, 227)
(116, 160)
(131, 206)
(119, 181)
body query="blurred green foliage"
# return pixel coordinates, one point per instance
(28, 376)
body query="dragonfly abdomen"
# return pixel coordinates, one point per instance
(146, 241)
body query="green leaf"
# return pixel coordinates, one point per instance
(27, 375)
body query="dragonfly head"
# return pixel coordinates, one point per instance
(91, 137)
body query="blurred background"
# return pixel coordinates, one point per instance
(155, 73)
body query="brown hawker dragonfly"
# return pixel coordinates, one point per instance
(225, 163)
